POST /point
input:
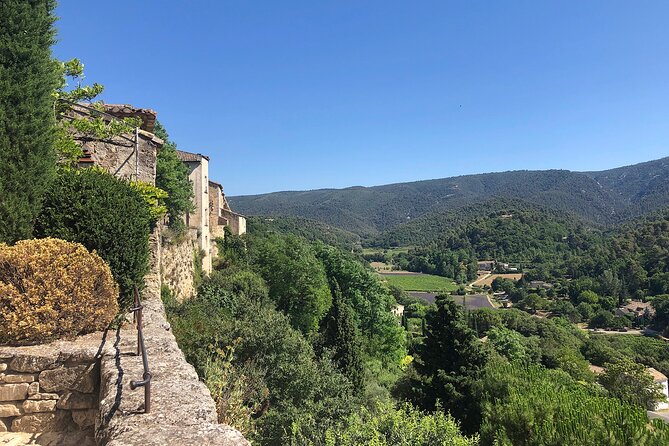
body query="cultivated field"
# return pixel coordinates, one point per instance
(487, 280)
(420, 282)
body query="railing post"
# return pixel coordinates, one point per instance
(141, 349)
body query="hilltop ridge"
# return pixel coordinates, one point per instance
(602, 197)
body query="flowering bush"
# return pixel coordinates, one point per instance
(51, 288)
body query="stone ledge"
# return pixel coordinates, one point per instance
(183, 411)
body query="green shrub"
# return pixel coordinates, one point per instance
(104, 214)
(50, 289)
(406, 425)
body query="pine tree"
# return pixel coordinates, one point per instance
(341, 337)
(448, 362)
(28, 79)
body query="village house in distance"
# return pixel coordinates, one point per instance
(212, 212)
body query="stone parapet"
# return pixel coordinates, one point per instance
(39, 383)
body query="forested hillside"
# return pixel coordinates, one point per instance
(311, 230)
(598, 197)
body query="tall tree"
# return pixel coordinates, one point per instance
(28, 78)
(449, 361)
(632, 383)
(172, 177)
(341, 338)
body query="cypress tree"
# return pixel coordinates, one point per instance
(341, 337)
(449, 361)
(28, 79)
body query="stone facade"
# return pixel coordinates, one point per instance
(176, 268)
(198, 220)
(51, 387)
(131, 156)
(221, 216)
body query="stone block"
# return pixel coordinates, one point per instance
(80, 378)
(84, 418)
(34, 406)
(33, 389)
(75, 400)
(13, 392)
(3, 366)
(10, 410)
(31, 364)
(44, 396)
(3, 426)
(14, 378)
(42, 422)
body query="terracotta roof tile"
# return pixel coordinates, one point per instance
(190, 157)
(147, 115)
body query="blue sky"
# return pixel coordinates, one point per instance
(292, 95)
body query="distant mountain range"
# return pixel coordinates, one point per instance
(600, 198)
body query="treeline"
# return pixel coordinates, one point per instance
(529, 238)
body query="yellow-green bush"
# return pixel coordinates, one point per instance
(50, 289)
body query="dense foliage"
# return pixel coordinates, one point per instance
(386, 425)
(273, 375)
(28, 78)
(295, 277)
(524, 236)
(106, 215)
(172, 177)
(51, 288)
(311, 230)
(532, 406)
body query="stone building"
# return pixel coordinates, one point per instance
(220, 216)
(198, 220)
(132, 155)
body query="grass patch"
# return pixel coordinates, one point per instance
(421, 282)
(391, 251)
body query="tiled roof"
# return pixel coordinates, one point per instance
(147, 115)
(190, 157)
(215, 184)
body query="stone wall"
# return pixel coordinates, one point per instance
(237, 222)
(51, 387)
(176, 269)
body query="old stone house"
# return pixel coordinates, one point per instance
(131, 156)
(220, 216)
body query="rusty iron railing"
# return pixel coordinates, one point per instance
(141, 349)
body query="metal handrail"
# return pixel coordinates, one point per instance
(141, 349)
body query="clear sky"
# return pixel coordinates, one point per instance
(292, 95)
